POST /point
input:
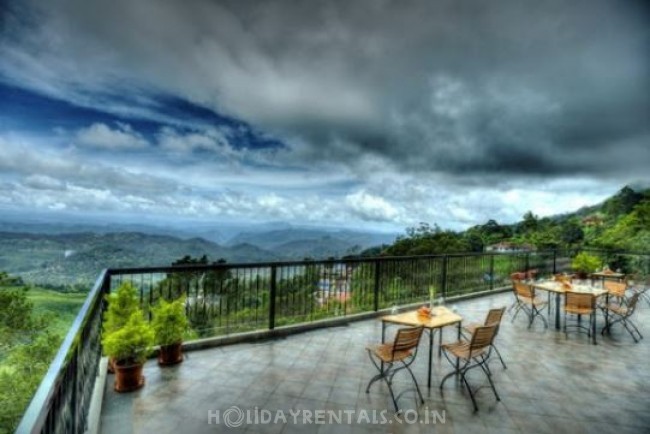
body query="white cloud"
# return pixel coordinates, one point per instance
(35, 175)
(44, 182)
(369, 207)
(100, 135)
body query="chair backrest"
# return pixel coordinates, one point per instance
(562, 278)
(531, 274)
(579, 300)
(631, 304)
(616, 289)
(518, 276)
(407, 338)
(482, 337)
(524, 290)
(494, 316)
(633, 279)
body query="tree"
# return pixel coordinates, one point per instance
(26, 350)
(630, 231)
(571, 233)
(17, 322)
(427, 240)
(622, 203)
(528, 224)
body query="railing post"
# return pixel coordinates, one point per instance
(527, 263)
(376, 287)
(443, 276)
(491, 272)
(74, 362)
(554, 261)
(272, 297)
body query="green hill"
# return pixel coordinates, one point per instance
(621, 222)
(77, 258)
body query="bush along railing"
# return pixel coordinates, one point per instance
(625, 262)
(222, 299)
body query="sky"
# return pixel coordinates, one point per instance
(366, 114)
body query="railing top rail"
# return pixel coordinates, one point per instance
(36, 413)
(225, 265)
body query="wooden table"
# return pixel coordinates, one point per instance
(558, 289)
(441, 317)
(602, 275)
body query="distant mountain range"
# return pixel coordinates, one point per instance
(62, 254)
(297, 243)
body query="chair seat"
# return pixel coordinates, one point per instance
(579, 310)
(461, 349)
(617, 309)
(469, 328)
(385, 353)
(537, 302)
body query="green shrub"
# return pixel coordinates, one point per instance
(121, 305)
(585, 263)
(169, 321)
(131, 343)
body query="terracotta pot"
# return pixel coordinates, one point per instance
(128, 377)
(170, 354)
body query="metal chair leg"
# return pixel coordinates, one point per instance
(496, 350)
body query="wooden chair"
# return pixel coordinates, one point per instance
(392, 358)
(472, 354)
(579, 304)
(616, 290)
(617, 313)
(529, 303)
(518, 276)
(563, 278)
(637, 283)
(494, 316)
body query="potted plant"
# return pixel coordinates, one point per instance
(122, 303)
(129, 347)
(584, 263)
(169, 324)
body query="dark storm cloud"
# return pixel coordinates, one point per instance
(496, 88)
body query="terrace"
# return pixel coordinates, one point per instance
(552, 384)
(292, 354)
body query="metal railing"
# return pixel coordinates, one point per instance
(62, 400)
(223, 299)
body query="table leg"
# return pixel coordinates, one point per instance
(557, 311)
(440, 342)
(383, 339)
(430, 356)
(457, 359)
(593, 326)
(607, 310)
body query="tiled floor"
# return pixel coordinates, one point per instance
(552, 385)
